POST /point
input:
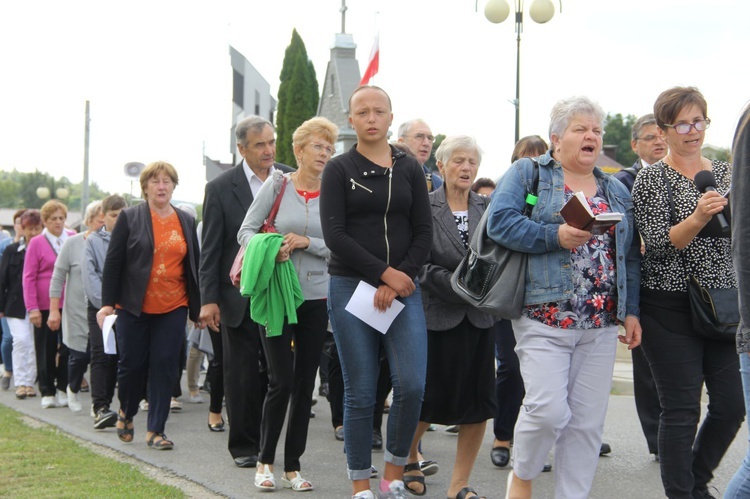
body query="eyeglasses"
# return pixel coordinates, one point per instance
(421, 136)
(320, 148)
(684, 128)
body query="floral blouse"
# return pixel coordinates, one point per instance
(594, 302)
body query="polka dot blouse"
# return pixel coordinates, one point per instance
(664, 267)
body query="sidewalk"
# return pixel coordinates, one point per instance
(201, 457)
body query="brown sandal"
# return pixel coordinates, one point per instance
(21, 392)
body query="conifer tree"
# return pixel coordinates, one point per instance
(298, 97)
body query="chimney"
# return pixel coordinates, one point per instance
(610, 151)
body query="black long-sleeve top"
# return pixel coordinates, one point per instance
(11, 282)
(375, 217)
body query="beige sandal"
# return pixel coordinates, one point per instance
(297, 484)
(264, 476)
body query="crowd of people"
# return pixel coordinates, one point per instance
(346, 260)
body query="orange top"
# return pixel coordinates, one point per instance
(167, 289)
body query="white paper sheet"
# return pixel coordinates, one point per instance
(361, 305)
(108, 335)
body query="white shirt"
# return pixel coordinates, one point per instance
(255, 182)
(55, 241)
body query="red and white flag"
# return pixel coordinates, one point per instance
(372, 65)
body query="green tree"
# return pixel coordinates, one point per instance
(617, 132)
(19, 190)
(298, 97)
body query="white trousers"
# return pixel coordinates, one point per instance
(567, 374)
(24, 354)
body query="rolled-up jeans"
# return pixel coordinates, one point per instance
(405, 346)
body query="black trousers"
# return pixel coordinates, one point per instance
(215, 373)
(51, 371)
(78, 362)
(149, 345)
(103, 365)
(681, 361)
(245, 385)
(508, 381)
(291, 379)
(646, 399)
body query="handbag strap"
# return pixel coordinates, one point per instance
(532, 195)
(276, 203)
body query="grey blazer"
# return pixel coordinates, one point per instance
(443, 308)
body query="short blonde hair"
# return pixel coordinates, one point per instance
(315, 127)
(50, 207)
(154, 169)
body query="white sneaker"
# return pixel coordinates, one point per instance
(143, 405)
(62, 399)
(49, 402)
(73, 403)
(365, 494)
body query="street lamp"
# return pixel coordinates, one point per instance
(541, 11)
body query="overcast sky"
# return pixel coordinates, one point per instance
(158, 75)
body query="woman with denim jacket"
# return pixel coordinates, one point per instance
(579, 288)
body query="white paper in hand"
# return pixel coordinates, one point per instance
(362, 306)
(108, 335)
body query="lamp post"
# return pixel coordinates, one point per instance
(541, 11)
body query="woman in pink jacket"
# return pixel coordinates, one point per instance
(38, 266)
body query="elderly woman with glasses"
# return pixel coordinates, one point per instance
(678, 224)
(291, 371)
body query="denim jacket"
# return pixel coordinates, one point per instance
(549, 272)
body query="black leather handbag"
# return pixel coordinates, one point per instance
(492, 277)
(715, 312)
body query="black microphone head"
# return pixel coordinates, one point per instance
(705, 179)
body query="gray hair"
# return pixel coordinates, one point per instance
(189, 209)
(646, 119)
(93, 210)
(457, 143)
(565, 109)
(254, 124)
(404, 128)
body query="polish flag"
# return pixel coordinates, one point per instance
(372, 66)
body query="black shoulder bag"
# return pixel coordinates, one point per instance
(492, 277)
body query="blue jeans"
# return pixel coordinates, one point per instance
(405, 346)
(739, 485)
(6, 347)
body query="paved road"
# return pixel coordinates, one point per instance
(201, 456)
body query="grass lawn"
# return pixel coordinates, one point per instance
(42, 462)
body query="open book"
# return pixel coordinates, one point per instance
(577, 213)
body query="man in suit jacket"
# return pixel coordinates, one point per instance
(227, 199)
(648, 142)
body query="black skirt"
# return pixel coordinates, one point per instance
(460, 382)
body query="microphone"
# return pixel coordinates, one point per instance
(705, 181)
